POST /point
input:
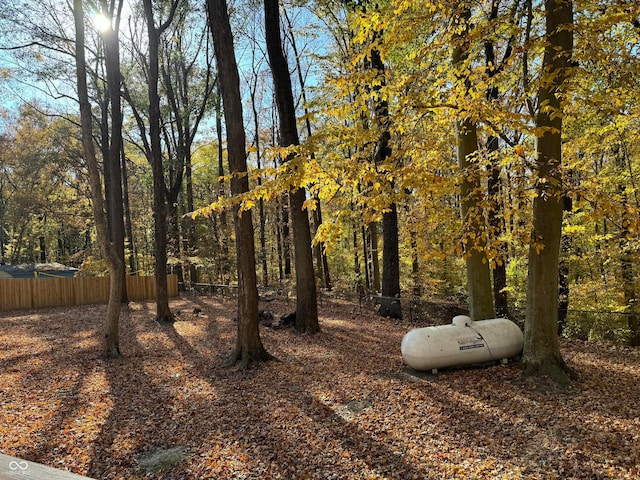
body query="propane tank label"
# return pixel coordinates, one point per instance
(469, 343)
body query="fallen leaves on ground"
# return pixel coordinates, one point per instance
(336, 405)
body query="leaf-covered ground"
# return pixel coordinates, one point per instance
(336, 405)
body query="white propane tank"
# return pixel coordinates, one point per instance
(464, 342)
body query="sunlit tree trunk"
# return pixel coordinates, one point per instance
(541, 344)
(390, 302)
(248, 347)
(306, 297)
(479, 285)
(163, 312)
(495, 217)
(321, 255)
(116, 267)
(115, 205)
(626, 256)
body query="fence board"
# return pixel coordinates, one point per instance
(21, 293)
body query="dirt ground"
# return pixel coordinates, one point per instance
(336, 405)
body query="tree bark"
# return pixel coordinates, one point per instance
(163, 312)
(500, 297)
(114, 194)
(390, 305)
(563, 283)
(365, 257)
(630, 294)
(478, 273)
(320, 251)
(112, 322)
(225, 266)
(249, 348)
(626, 256)
(127, 218)
(256, 142)
(372, 258)
(43, 250)
(188, 104)
(285, 234)
(495, 220)
(541, 345)
(279, 242)
(356, 262)
(479, 284)
(306, 296)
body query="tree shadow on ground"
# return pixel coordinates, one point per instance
(338, 404)
(270, 441)
(141, 408)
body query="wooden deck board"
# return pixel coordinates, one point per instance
(15, 468)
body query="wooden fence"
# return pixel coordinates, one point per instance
(20, 293)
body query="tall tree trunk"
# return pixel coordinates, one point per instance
(43, 250)
(320, 251)
(356, 263)
(248, 347)
(112, 323)
(306, 303)
(478, 274)
(104, 150)
(192, 239)
(626, 255)
(222, 229)
(390, 302)
(630, 293)
(114, 83)
(495, 219)
(563, 271)
(279, 242)
(174, 234)
(479, 284)
(163, 312)
(499, 268)
(365, 257)
(373, 259)
(263, 243)
(563, 283)
(127, 217)
(285, 233)
(541, 345)
(256, 142)
(188, 106)
(415, 257)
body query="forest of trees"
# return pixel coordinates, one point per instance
(482, 151)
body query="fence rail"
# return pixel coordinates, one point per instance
(21, 293)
